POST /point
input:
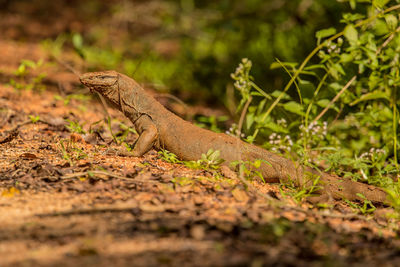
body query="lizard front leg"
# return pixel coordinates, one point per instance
(148, 136)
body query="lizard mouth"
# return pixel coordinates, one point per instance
(99, 81)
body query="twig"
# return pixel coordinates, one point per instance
(19, 125)
(341, 216)
(334, 99)
(13, 132)
(109, 174)
(11, 136)
(115, 208)
(104, 105)
(88, 211)
(242, 116)
(67, 66)
(8, 115)
(388, 40)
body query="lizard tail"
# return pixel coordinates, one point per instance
(347, 189)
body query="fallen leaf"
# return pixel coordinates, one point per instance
(10, 192)
(240, 195)
(11, 136)
(28, 156)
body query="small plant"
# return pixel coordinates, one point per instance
(168, 156)
(67, 99)
(22, 82)
(307, 189)
(34, 119)
(249, 169)
(393, 192)
(71, 152)
(120, 136)
(111, 131)
(75, 127)
(366, 208)
(209, 161)
(123, 133)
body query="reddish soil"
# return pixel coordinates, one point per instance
(66, 200)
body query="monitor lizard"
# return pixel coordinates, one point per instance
(159, 128)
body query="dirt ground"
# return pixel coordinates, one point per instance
(65, 199)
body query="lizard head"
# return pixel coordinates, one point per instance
(102, 81)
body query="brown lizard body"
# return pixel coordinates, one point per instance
(160, 128)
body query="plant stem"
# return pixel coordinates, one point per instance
(395, 130)
(334, 99)
(242, 116)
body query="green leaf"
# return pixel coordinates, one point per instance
(249, 120)
(261, 106)
(29, 63)
(374, 80)
(323, 103)
(381, 27)
(336, 86)
(353, 4)
(77, 41)
(345, 58)
(351, 34)
(349, 17)
(378, 94)
(34, 119)
(307, 88)
(325, 33)
(380, 3)
(315, 66)
(276, 128)
(339, 68)
(278, 65)
(391, 21)
(335, 70)
(215, 155)
(21, 69)
(276, 94)
(294, 107)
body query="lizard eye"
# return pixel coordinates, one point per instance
(99, 79)
(107, 80)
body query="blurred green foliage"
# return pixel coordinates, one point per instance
(194, 45)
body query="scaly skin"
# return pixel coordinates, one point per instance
(159, 128)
